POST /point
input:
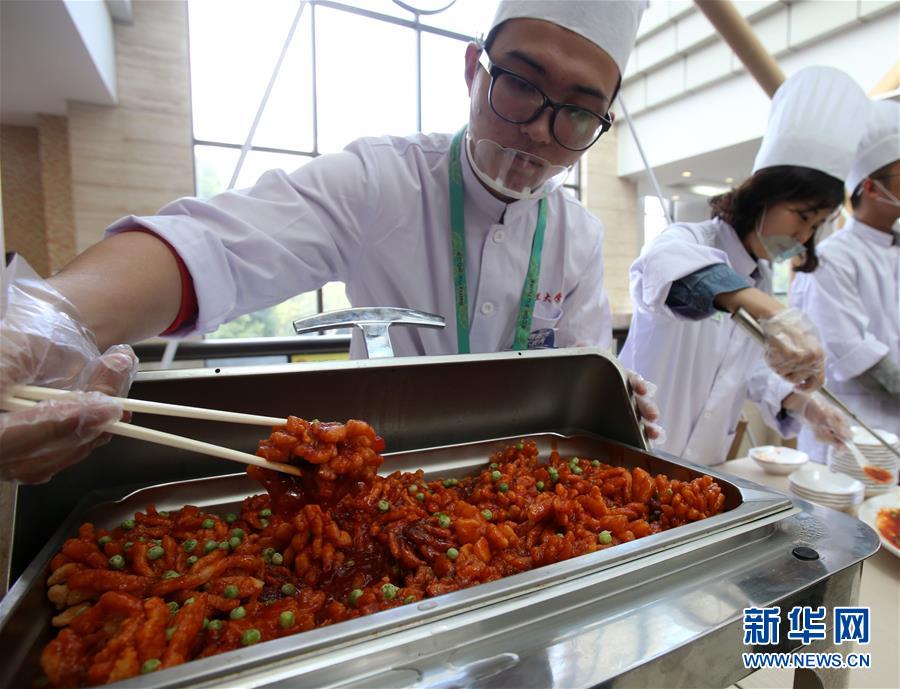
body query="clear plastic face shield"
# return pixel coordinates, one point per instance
(783, 247)
(886, 197)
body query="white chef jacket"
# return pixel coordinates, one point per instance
(705, 369)
(377, 217)
(853, 297)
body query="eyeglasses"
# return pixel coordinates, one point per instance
(518, 101)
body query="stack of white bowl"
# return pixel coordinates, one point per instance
(818, 484)
(876, 454)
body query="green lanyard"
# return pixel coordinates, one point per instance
(458, 250)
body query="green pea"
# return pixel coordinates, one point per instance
(595, 463)
(163, 513)
(170, 632)
(420, 497)
(384, 505)
(267, 554)
(237, 533)
(103, 540)
(351, 563)
(189, 545)
(264, 523)
(450, 482)
(208, 523)
(117, 562)
(265, 513)
(577, 471)
(443, 520)
(452, 553)
(156, 541)
(408, 599)
(128, 545)
(487, 514)
(389, 591)
(495, 475)
(224, 545)
(539, 485)
(127, 525)
(286, 619)
(288, 589)
(238, 613)
(573, 460)
(604, 537)
(173, 607)
(191, 560)
(554, 473)
(277, 559)
(230, 518)
(354, 596)
(234, 542)
(155, 552)
(216, 625)
(520, 446)
(205, 623)
(231, 591)
(170, 574)
(503, 487)
(189, 601)
(412, 489)
(151, 665)
(250, 637)
(494, 465)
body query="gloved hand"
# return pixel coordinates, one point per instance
(643, 391)
(794, 350)
(828, 423)
(43, 342)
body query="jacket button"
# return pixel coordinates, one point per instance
(487, 308)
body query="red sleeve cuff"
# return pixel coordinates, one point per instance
(189, 309)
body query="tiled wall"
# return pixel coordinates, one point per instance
(615, 202)
(23, 196)
(135, 158)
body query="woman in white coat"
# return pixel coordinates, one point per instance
(854, 296)
(687, 281)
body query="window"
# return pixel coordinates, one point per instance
(655, 220)
(407, 66)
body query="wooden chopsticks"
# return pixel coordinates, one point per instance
(26, 396)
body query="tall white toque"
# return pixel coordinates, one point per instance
(880, 144)
(612, 25)
(816, 121)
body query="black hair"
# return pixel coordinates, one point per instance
(492, 35)
(743, 207)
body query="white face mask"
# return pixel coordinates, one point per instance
(514, 173)
(780, 247)
(891, 200)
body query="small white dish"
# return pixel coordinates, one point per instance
(775, 459)
(868, 512)
(862, 437)
(816, 479)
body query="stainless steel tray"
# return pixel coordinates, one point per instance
(29, 615)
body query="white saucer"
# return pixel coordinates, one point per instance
(868, 511)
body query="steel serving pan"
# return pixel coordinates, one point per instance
(24, 616)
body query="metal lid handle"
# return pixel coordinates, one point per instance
(373, 321)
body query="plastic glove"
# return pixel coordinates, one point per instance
(643, 391)
(794, 350)
(43, 342)
(828, 423)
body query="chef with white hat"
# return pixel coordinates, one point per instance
(687, 281)
(473, 226)
(854, 295)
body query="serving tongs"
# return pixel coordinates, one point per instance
(27, 396)
(754, 329)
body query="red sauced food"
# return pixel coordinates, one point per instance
(336, 543)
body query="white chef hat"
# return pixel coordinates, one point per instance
(816, 121)
(610, 25)
(880, 144)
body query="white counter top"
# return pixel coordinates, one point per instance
(879, 589)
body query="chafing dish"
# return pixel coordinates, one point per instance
(665, 610)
